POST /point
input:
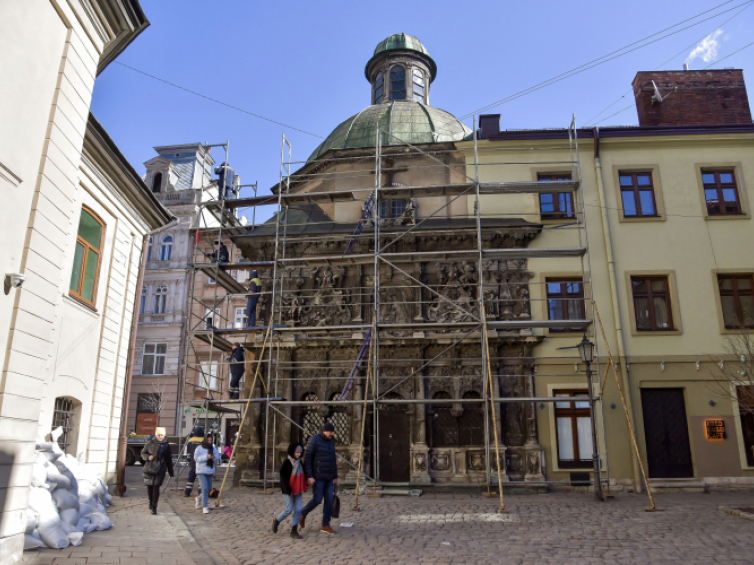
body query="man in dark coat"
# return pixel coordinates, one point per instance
(255, 287)
(321, 469)
(197, 437)
(237, 369)
(220, 255)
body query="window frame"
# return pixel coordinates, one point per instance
(635, 189)
(735, 293)
(160, 302)
(563, 297)
(143, 300)
(212, 384)
(166, 245)
(718, 187)
(87, 246)
(64, 416)
(392, 92)
(149, 248)
(236, 324)
(556, 214)
(423, 96)
(650, 295)
(155, 356)
(573, 413)
(380, 76)
(390, 205)
(157, 175)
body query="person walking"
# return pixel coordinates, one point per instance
(293, 485)
(158, 461)
(255, 288)
(206, 457)
(321, 471)
(197, 437)
(237, 369)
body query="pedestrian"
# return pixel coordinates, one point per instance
(237, 369)
(293, 485)
(205, 456)
(158, 460)
(255, 288)
(197, 437)
(321, 471)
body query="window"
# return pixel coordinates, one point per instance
(86, 257)
(153, 359)
(392, 208)
(574, 431)
(721, 193)
(555, 205)
(166, 248)
(397, 83)
(565, 301)
(637, 195)
(379, 88)
(63, 417)
(338, 417)
(160, 299)
(143, 301)
(157, 182)
(238, 319)
(444, 428)
(471, 422)
(418, 85)
(311, 420)
(211, 319)
(449, 430)
(737, 299)
(652, 303)
(149, 249)
(208, 376)
(746, 411)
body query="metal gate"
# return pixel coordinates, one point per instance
(666, 433)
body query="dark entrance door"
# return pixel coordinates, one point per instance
(666, 433)
(395, 449)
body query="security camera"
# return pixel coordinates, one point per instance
(13, 280)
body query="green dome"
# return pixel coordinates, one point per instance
(402, 42)
(412, 122)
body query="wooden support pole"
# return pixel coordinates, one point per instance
(502, 509)
(368, 386)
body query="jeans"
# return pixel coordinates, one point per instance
(292, 504)
(321, 488)
(251, 312)
(205, 485)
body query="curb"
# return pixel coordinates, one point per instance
(187, 539)
(734, 512)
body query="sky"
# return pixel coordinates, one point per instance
(301, 64)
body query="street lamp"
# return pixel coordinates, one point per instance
(586, 351)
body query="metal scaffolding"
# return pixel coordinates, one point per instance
(373, 242)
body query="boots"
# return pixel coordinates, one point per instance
(275, 525)
(154, 509)
(294, 533)
(302, 522)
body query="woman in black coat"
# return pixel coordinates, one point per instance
(157, 461)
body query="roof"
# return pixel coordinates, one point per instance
(402, 42)
(406, 121)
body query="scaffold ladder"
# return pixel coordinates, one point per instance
(365, 215)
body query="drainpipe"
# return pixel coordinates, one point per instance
(120, 484)
(622, 361)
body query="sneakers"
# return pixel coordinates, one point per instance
(275, 525)
(205, 510)
(302, 522)
(198, 503)
(328, 530)
(294, 533)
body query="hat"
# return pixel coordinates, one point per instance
(160, 432)
(328, 427)
(198, 432)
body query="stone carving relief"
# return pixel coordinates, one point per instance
(440, 461)
(420, 461)
(457, 287)
(475, 461)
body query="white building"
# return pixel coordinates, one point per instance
(74, 218)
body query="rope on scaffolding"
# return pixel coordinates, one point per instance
(365, 215)
(356, 366)
(611, 363)
(245, 411)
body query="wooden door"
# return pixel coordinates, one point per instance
(666, 433)
(395, 446)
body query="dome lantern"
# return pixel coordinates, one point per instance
(400, 69)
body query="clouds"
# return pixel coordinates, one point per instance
(707, 48)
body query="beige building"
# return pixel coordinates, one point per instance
(74, 218)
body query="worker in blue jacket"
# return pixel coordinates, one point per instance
(255, 289)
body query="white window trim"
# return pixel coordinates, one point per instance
(155, 355)
(207, 367)
(236, 323)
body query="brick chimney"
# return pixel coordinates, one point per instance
(692, 97)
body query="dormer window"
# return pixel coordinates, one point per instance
(397, 83)
(157, 182)
(379, 88)
(419, 86)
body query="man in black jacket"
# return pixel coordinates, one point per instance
(321, 470)
(237, 368)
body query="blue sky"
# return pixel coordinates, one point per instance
(302, 64)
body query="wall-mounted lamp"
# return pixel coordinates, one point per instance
(542, 406)
(712, 402)
(612, 405)
(13, 280)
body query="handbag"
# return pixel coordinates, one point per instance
(335, 506)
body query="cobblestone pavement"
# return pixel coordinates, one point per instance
(442, 529)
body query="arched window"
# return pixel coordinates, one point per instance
(379, 88)
(157, 182)
(149, 249)
(444, 427)
(160, 299)
(311, 420)
(143, 303)
(418, 86)
(86, 258)
(397, 83)
(471, 422)
(339, 417)
(166, 248)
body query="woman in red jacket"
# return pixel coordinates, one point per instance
(293, 485)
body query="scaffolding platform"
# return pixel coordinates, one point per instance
(221, 277)
(211, 338)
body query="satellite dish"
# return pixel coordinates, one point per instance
(656, 97)
(244, 220)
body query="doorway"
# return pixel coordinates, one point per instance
(395, 445)
(666, 433)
